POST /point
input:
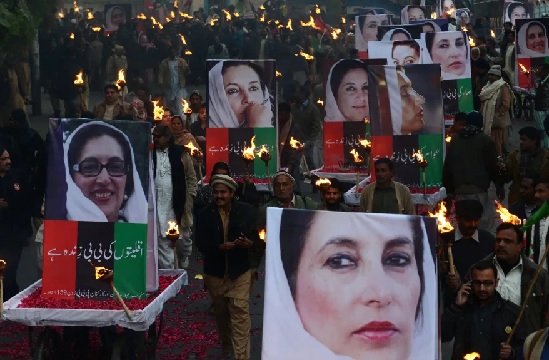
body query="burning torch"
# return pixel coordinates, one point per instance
(107, 275)
(173, 235)
(422, 163)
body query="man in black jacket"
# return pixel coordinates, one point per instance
(225, 235)
(15, 219)
(480, 319)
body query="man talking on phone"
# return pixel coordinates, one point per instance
(480, 319)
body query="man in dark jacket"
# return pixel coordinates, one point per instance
(480, 319)
(331, 197)
(15, 219)
(470, 166)
(225, 235)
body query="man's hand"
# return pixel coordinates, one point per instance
(453, 281)
(463, 294)
(244, 242)
(3, 203)
(258, 115)
(227, 246)
(505, 351)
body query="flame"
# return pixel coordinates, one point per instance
(213, 21)
(228, 16)
(96, 29)
(175, 4)
(448, 138)
(79, 78)
(60, 15)
(524, 69)
(121, 82)
(296, 144)
(75, 6)
(335, 33)
(366, 120)
(419, 156)
(261, 7)
(263, 151)
(188, 52)
(90, 15)
(320, 102)
(310, 23)
(156, 23)
(358, 158)
(183, 39)
(444, 225)
(323, 182)
(192, 149)
(248, 152)
(317, 9)
(343, 20)
(101, 271)
(168, 20)
(236, 14)
(71, 36)
(463, 28)
(262, 234)
(506, 216)
(305, 55)
(365, 143)
(278, 74)
(173, 229)
(158, 111)
(472, 42)
(185, 15)
(186, 109)
(472, 356)
(172, 14)
(433, 15)
(492, 33)
(262, 18)
(141, 16)
(289, 26)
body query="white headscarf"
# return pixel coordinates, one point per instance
(521, 40)
(404, 14)
(361, 44)
(506, 16)
(435, 25)
(220, 113)
(388, 34)
(284, 336)
(427, 59)
(332, 110)
(108, 18)
(80, 208)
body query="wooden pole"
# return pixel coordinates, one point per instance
(451, 267)
(117, 294)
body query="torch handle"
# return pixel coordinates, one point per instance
(305, 163)
(451, 267)
(175, 260)
(1, 296)
(528, 294)
(117, 294)
(200, 178)
(268, 176)
(424, 182)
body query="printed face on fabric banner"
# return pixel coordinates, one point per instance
(516, 10)
(242, 94)
(406, 52)
(115, 15)
(447, 8)
(431, 26)
(531, 38)
(366, 28)
(100, 209)
(451, 50)
(399, 32)
(463, 17)
(317, 289)
(411, 13)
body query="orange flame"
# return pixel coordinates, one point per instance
(433, 15)
(261, 7)
(213, 21)
(343, 20)
(60, 15)
(228, 16)
(121, 79)
(173, 229)
(305, 55)
(289, 25)
(236, 14)
(156, 23)
(358, 158)
(419, 156)
(158, 110)
(448, 138)
(444, 225)
(101, 271)
(472, 356)
(365, 143)
(472, 42)
(176, 4)
(335, 33)
(262, 234)
(188, 52)
(506, 216)
(296, 144)
(185, 15)
(248, 152)
(192, 149)
(320, 102)
(310, 23)
(79, 78)
(263, 151)
(172, 14)
(96, 29)
(492, 33)
(141, 16)
(524, 69)
(317, 9)
(262, 18)
(75, 6)
(278, 74)
(71, 36)
(323, 182)
(186, 109)
(90, 15)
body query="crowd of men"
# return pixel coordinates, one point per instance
(493, 268)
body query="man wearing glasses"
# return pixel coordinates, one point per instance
(175, 184)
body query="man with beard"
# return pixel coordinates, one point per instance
(479, 318)
(226, 236)
(515, 273)
(331, 198)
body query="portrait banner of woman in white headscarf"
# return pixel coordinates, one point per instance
(399, 32)
(333, 293)
(405, 52)
(411, 13)
(516, 10)
(366, 28)
(115, 15)
(532, 38)
(241, 93)
(451, 50)
(431, 26)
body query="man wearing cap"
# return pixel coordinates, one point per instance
(495, 102)
(115, 63)
(284, 197)
(226, 236)
(331, 197)
(470, 166)
(175, 185)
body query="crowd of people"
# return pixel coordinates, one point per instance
(494, 266)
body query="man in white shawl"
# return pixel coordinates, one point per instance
(495, 98)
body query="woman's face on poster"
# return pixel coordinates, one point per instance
(352, 95)
(412, 106)
(405, 55)
(428, 28)
(415, 14)
(519, 12)
(535, 38)
(369, 31)
(242, 86)
(464, 17)
(450, 51)
(104, 190)
(356, 293)
(118, 16)
(448, 7)
(399, 36)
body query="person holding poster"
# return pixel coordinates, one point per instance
(450, 49)
(532, 40)
(341, 295)
(103, 184)
(239, 96)
(514, 11)
(347, 91)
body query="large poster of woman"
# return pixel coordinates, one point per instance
(515, 10)
(366, 28)
(241, 93)
(405, 52)
(333, 294)
(399, 32)
(451, 50)
(532, 48)
(115, 15)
